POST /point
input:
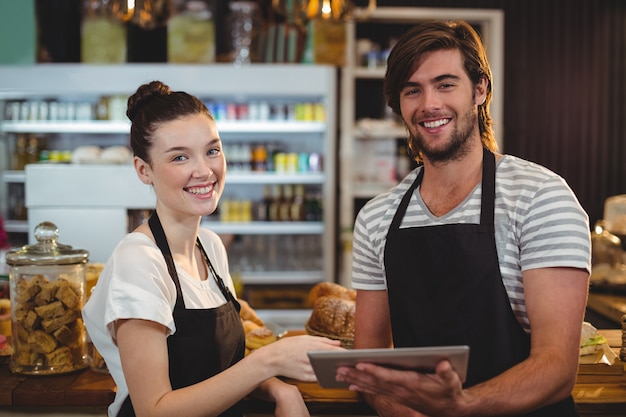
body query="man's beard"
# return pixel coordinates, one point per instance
(456, 148)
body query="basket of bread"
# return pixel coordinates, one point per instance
(332, 314)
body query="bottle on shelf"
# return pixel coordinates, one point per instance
(32, 151)
(297, 205)
(259, 157)
(262, 206)
(274, 208)
(285, 204)
(18, 161)
(313, 207)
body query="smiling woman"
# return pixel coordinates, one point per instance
(165, 303)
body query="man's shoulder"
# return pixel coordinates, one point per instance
(512, 165)
(514, 173)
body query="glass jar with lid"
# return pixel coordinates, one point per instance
(47, 289)
(243, 23)
(191, 33)
(103, 33)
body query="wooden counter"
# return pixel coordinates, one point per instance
(597, 393)
(611, 306)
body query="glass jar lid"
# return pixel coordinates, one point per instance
(47, 251)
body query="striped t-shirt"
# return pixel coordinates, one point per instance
(539, 223)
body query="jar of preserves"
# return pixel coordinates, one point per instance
(103, 33)
(191, 33)
(47, 290)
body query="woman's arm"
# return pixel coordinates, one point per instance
(143, 350)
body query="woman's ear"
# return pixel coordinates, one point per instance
(143, 170)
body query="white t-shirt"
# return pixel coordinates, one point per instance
(135, 284)
(538, 220)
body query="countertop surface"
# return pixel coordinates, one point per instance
(610, 305)
(600, 390)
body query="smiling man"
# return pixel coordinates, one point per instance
(471, 248)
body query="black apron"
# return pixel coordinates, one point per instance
(445, 288)
(206, 341)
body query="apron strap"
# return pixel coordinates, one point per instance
(220, 282)
(487, 204)
(161, 241)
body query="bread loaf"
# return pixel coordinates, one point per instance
(330, 289)
(333, 317)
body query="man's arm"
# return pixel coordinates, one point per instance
(555, 302)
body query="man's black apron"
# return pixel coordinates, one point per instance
(445, 288)
(206, 341)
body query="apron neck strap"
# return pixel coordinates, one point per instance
(161, 241)
(487, 203)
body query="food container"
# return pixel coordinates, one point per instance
(47, 290)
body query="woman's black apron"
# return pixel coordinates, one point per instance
(206, 341)
(445, 288)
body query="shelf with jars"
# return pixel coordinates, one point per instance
(278, 134)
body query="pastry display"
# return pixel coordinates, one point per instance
(248, 313)
(257, 333)
(259, 337)
(332, 315)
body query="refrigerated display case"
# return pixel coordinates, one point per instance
(288, 110)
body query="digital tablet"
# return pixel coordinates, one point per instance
(421, 359)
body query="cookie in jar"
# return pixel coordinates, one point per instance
(47, 295)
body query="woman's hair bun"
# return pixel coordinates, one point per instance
(143, 95)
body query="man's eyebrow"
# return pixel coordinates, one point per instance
(438, 78)
(446, 77)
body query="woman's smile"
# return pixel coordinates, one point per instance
(201, 191)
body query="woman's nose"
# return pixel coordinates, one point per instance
(202, 168)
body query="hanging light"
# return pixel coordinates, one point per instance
(335, 9)
(328, 9)
(149, 14)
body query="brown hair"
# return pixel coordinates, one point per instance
(433, 36)
(155, 103)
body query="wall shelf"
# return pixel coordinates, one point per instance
(92, 204)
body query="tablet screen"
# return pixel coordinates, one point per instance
(421, 359)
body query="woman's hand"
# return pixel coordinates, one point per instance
(288, 356)
(289, 401)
